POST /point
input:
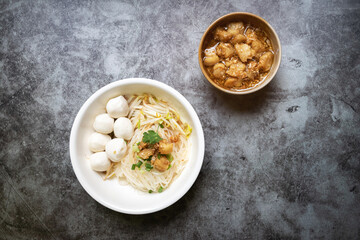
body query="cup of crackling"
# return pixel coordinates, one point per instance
(239, 53)
(136, 146)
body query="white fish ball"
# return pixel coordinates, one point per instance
(103, 123)
(123, 128)
(117, 107)
(98, 141)
(116, 149)
(99, 161)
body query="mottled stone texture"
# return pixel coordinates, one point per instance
(280, 163)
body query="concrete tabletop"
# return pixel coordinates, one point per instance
(280, 163)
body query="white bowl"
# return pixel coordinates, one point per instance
(111, 193)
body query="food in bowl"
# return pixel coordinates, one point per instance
(147, 146)
(111, 193)
(238, 56)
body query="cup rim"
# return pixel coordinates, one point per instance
(250, 90)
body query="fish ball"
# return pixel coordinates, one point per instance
(116, 149)
(117, 107)
(98, 141)
(104, 123)
(99, 161)
(123, 128)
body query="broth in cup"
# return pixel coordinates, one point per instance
(238, 56)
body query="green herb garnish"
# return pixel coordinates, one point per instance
(169, 167)
(161, 123)
(159, 156)
(169, 157)
(160, 189)
(139, 164)
(148, 167)
(149, 159)
(135, 148)
(150, 191)
(151, 137)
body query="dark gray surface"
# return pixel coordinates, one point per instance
(280, 163)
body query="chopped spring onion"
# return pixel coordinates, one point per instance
(150, 191)
(149, 159)
(161, 123)
(169, 167)
(148, 166)
(139, 164)
(160, 189)
(159, 156)
(169, 157)
(135, 148)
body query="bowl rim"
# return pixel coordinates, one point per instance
(192, 114)
(251, 90)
